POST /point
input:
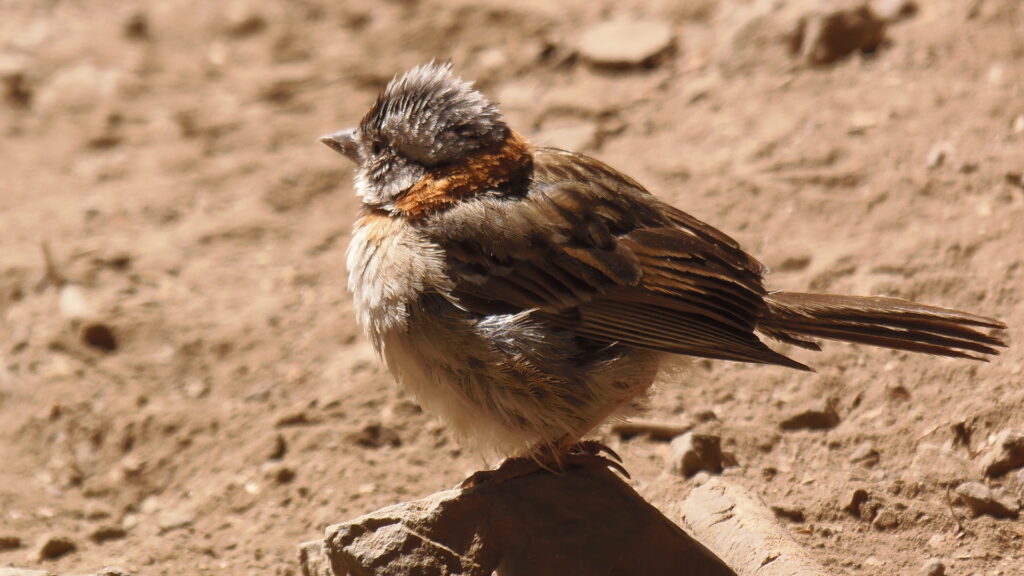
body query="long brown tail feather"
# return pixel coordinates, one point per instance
(880, 321)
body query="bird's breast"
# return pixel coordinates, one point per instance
(390, 267)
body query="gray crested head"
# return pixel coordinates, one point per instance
(425, 117)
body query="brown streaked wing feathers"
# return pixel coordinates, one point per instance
(592, 250)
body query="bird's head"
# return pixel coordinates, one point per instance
(424, 119)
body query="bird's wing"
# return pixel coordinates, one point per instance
(590, 249)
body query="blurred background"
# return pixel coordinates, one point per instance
(183, 388)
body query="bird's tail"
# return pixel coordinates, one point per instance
(888, 322)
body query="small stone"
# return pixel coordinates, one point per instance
(98, 335)
(376, 436)
(790, 512)
(294, 418)
(16, 81)
(821, 38)
(136, 26)
(175, 519)
(893, 10)
(865, 455)
(1018, 124)
(938, 154)
(242, 19)
(937, 542)
(818, 415)
(9, 542)
(984, 500)
(11, 571)
(855, 504)
(52, 546)
(886, 519)
(106, 533)
(933, 567)
(624, 43)
(113, 571)
(278, 472)
(1006, 454)
(692, 453)
(277, 448)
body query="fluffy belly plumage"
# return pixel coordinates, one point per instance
(503, 383)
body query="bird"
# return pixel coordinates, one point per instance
(526, 294)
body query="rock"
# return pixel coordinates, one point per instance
(105, 533)
(1006, 454)
(175, 519)
(865, 455)
(938, 154)
(818, 415)
(933, 567)
(790, 512)
(16, 81)
(241, 18)
(278, 472)
(136, 26)
(886, 519)
(528, 525)
(376, 436)
(937, 465)
(277, 448)
(113, 571)
(11, 571)
(9, 542)
(1018, 124)
(692, 453)
(53, 546)
(625, 43)
(859, 504)
(893, 10)
(984, 500)
(821, 38)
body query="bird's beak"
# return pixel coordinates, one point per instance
(345, 143)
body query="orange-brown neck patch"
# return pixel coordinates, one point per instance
(487, 170)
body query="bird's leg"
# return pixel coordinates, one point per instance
(553, 458)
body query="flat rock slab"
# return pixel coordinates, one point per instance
(586, 521)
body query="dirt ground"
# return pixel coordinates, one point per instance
(167, 152)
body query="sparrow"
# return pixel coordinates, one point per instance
(526, 294)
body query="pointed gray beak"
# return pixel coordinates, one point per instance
(345, 143)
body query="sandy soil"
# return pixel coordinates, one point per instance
(167, 152)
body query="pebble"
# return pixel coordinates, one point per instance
(865, 455)
(9, 542)
(16, 81)
(105, 533)
(893, 10)
(113, 571)
(278, 472)
(53, 546)
(790, 512)
(625, 43)
(277, 448)
(376, 436)
(933, 567)
(938, 154)
(691, 453)
(821, 38)
(984, 500)
(11, 571)
(1005, 455)
(818, 415)
(886, 519)
(175, 519)
(1018, 124)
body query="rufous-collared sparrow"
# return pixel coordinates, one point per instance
(526, 294)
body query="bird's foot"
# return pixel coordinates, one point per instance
(585, 453)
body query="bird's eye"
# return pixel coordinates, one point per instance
(377, 148)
